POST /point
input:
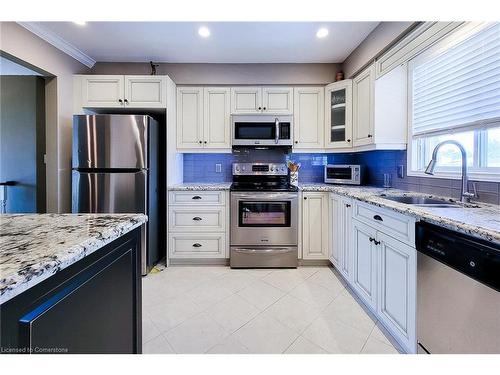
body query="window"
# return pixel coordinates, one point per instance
(454, 93)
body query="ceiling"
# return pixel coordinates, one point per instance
(229, 42)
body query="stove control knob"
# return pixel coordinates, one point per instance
(242, 168)
(237, 169)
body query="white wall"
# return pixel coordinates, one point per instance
(25, 46)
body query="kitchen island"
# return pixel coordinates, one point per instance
(70, 283)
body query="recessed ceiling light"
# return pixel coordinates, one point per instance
(322, 33)
(204, 32)
(80, 23)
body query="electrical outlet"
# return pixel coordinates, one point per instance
(401, 171)
(218, 168)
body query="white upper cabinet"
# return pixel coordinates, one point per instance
(391, 109)
(189, 117)
(216, 109)
(203, 115)
(145, 92)
(363, 88)
(277, 100)
(380, 109)
(308, 117)
(315, 225)
(246, 99)
(117, 91)
(257, 99)
(338, 114)
(102, 91)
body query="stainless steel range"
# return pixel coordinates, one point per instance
(264, 216)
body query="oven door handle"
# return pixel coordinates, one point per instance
(277, 132)
(267, 250)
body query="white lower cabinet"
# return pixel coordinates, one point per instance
(335, 232)
(378, 263)
(198, 225)
(199, 245)
(364, 251)
(397, 290)
(340, 234)
(315, 225)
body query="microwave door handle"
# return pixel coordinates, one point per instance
(277, 133)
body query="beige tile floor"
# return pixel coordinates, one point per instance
(220, 310)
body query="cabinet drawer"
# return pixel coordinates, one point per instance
(196, 245)
(189, 218)
(396, 225)
(198, 198)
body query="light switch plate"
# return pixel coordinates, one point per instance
(218, 168)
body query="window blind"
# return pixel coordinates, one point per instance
(459, 87)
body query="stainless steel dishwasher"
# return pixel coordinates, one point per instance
(458, 292)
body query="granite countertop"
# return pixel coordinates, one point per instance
(35, 246)
(477, 219)
(201, 186)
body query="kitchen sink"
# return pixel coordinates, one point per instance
(421, 201)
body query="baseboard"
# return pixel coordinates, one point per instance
(199, 262)
(225, 262)
(314, 262)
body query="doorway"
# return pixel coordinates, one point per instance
(22, 139)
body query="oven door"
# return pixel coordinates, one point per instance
(264, 219)
(262, 130)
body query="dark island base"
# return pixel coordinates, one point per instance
(92, 306)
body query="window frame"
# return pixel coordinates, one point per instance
(476, 171)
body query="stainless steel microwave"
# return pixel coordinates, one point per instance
(262, 130)
(343, 174)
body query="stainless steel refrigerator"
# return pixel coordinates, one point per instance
(115, 170)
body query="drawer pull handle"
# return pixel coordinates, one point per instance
(197, 244)
(348, 205)
(196, 197)
(376, 242)
(372, 239)
(197, 218)
(378, 217)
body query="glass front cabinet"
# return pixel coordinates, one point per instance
(338, 114)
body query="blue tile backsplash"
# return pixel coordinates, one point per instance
(201, 168)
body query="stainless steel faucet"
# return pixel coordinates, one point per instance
(465, 195)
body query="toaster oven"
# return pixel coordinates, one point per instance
(344, 174)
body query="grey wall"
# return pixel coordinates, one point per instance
(230, 74)
(377, 41)
(22, 142)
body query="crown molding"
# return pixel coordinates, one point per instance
(59, 43)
